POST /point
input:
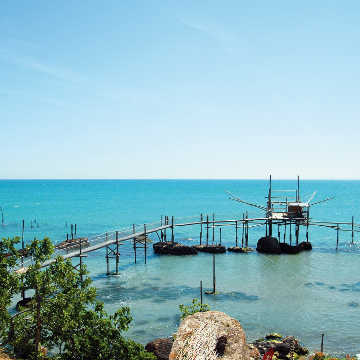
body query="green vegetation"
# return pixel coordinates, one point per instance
(195, 307)
(63, 319)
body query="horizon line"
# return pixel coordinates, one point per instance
(185, 179)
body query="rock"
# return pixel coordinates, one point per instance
(282, 346)
(169, 248)
(305, 246)
(211, 335)
(161, 348)
(268, 245)
(213, 249)
(238, 249)
(289, 249)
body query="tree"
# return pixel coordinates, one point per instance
(65, 317)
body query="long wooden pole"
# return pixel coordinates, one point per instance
(145, 246)
(352, 230)
(134, 243)
(107, 257)
(117, 253)
(214, 275)
(213, 229)
(207, 230)
(172, 229)
(236, 233)
(337, 237)
(201, 227)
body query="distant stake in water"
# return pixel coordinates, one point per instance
(322, 343)
(201, 292)
(213, 292)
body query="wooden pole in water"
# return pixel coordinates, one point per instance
(165, 228)
(220, 236)
(207, 230)
(22, 235)
(134, 243)
(161, 231)
(290, 233)
(297, 232)
(2, 216)
(236, 233)
(247, 232)
(279, 232)
(172, 229)
(201, 227)
(72, 232)
(67, 237)
(307, 231)
(75, 228)
(214, 275)
(285, 232)
(322, 343)
(145, 246)
(201, 292)
(243, 230)
(266, 228)
(213, 229)
(337, 236)
(81, 275)
(107, 257)
(352, 230)
(117, 253)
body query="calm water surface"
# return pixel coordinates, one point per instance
(302, 295)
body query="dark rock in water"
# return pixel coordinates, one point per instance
(169, 248)
(161, 348)
(238, 249)
(305, 246)
(268, 245)
(213, 249)
(23, 303)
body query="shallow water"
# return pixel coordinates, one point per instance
(302, 295)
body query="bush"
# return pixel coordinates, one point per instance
(195, 307)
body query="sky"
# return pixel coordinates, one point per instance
(179, 89)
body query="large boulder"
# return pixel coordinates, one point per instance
(161, 348)
(211, 335)
(213, 249)
(268, 245)
(170, 248)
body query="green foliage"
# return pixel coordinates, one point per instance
(195, 307)
(65, 317)
(9, 281)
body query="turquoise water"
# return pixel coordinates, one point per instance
(302, 295)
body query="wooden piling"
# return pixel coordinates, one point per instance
(279, 232)
(220, 236)
(322, 343)
(307, 231)
(201, 292)
(337, 236)
(107, 256)
(243, 230)
(236, 233)
(266, 228)
(75, 229)
(247, 232)
(285, 232)
(213, 229)
(214, 275)
(207, 230)
(161, 231)
(117, 253)
(165, 229)
(172, 230)
(201, 227)
(352, 230)
(297, 232)
(290, 233)
(145, 245)
(134, 240)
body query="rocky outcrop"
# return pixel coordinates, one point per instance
(211, 335)
(282, 346)
(213, 249)
(169, 248)
(268, 245)
(238, 249)
(271, 245)
(161, 348)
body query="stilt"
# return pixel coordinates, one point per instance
(297, 232)
(145, 245)
(247, 232)
(290, 233)
(201, 292)
(213, 229)
(165, 229)
(201, 227)
(172, 229)
(75, 228)
(243, 230)
(107, 257)
(161, 231)
(337, 236)
(266, 228)
(220, 236)
(117, 253)
(352, 230)
(279, 232)
(134, 240)
(207, 230)
(322, 343)
(307, 231)
(285, 232)
(236, 233)
(214, 275)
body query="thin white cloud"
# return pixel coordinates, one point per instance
(31, 63)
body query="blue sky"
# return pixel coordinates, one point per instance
(179, 89)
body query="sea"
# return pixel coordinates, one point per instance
(304, 295)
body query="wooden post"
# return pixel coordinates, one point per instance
(214, 275)
(107, 257)
(172, 229)
(243, 230)
(213, 229)
(247, 232)
(290, 233)
(285, 232)
(67, 237)
(337, 236)
(201, 227)
(220, 236)
(297, 232)
(2, 216)
(322, 343)
(145, 246)
(134, 242)
(352, 230)
(161, 231)
(201, 292)
(236, 233)
(279, 232)
(207, 230)
(117, 253)
(307, 231)
(165, 228)
(72, 232)
(22, 235)
(75, 228)
(80, 258)
(266, 228)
